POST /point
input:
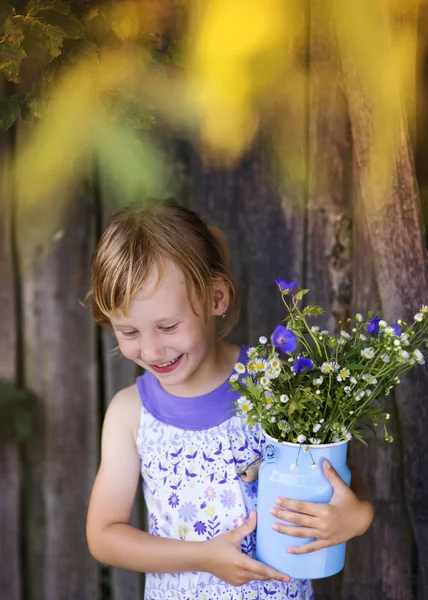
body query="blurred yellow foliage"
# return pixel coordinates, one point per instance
(247, 67)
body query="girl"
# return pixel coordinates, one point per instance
(161, 281)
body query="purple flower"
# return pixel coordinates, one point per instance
(284, 339)
(284, 285)
(373, 326)
(397, 329)
(228, 498)
(173, 500)
(188, 511)
(153, 522)
(251, 489)
(303, 364)
(200, 527)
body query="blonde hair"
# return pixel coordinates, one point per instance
(138, 239)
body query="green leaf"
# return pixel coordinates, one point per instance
(9, 110)
(35, 104)
(71, 27)
(35, 6)
(6, 9)
(10, 60)
(42, 42)
(75, 50)
(13, 29)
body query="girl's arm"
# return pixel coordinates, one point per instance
(348, 514)
(112, 540)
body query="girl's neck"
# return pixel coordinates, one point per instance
(214, 369)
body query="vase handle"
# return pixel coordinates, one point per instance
(269, 454)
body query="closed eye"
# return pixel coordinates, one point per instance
(129, 334)
(170, 328)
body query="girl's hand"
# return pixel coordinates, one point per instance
(342, 519)
(224, 558)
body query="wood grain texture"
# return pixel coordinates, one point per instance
(117, 373)
(390, 206)
(59, 366)
(10, 470)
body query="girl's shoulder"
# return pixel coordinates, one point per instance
(125, 408)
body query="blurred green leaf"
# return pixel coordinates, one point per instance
(42, 42)
(13, 28)
(16, 409)
(9, 110)
(71, 27)
(36, 6)
(10, 59)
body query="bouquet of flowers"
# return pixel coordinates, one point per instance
(331, 386)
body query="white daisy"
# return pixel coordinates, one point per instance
(418, 317)
(233, 377)
(301, 438)
(263, 339)
(275, 363)
(419, 356)
(240, 368)
(284, 398)
(367, 353)
(244, 404)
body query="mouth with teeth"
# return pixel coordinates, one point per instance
(168, 366)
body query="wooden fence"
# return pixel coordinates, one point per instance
(320, 231)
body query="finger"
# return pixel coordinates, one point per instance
(311, 509)
(307, 548)
(293, 517)
(246, 528)
(333, 477)
(261, 572)
(300, 532)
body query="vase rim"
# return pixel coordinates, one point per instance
(333, 444)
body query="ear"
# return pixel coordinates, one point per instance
(220, 297)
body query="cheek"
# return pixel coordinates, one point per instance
(129, 349)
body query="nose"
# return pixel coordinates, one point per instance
(150, 350)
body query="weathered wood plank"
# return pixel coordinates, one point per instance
(329, 212)
(10, 471)
(117, 373)
(59, 365)
(379, 563)
(391, 208)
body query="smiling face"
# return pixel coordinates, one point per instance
(162, 333)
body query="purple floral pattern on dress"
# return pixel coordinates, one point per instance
(174, 500)
(188, 512)
(228, 499)
(200, 527)
(193, 493)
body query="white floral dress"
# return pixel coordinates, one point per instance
(191, 450)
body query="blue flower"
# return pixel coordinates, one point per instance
(251, 489)
(173, 500)
(284, 339)
(373, 326)
(397, 329)
(284, 285)
(303, 364)
(200, 527)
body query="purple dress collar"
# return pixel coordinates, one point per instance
(199, 412)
